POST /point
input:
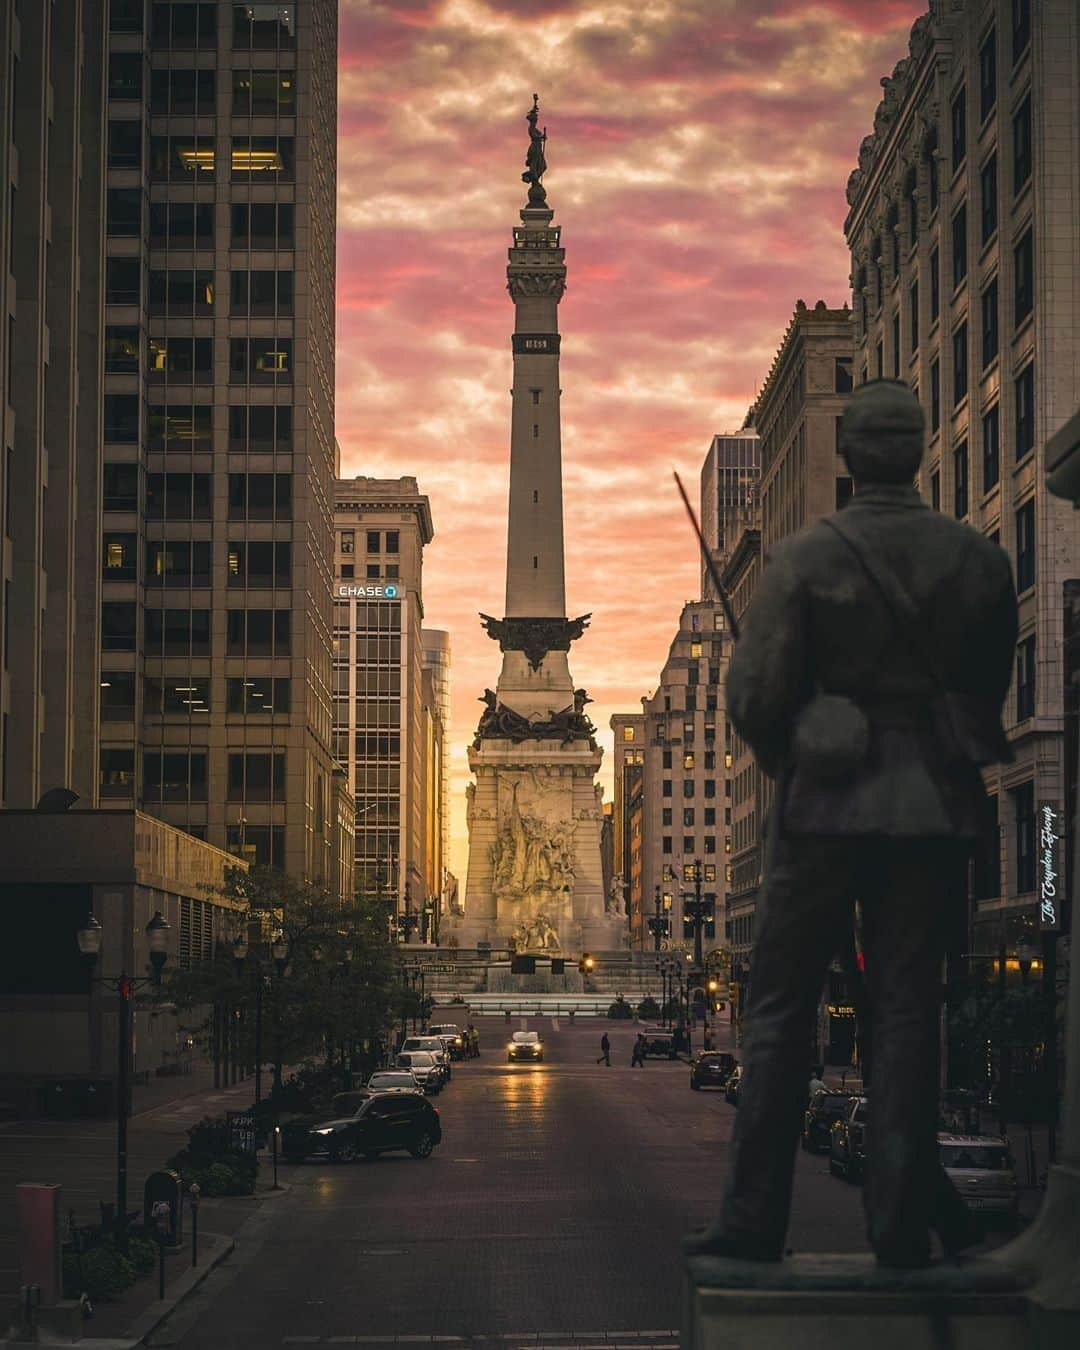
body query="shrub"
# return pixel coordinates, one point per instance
(143, 1254)
(220, 1180)
(101, 1272)
(210, 1146)
(649, 1008)
(620, 1008)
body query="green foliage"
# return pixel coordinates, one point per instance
(101, 1272)
(649, 1009)
(339, 988)
(620, 1009)
(211, 1160)
(143, 1254)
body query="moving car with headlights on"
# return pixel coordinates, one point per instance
(981, 1168)
(393, 1080)
(424, 1068)
(435, 1047)
(847, 1142)
(712, 1068)
(824, 1110)
(373, 1123)
(525, 1045)
(452, 1037)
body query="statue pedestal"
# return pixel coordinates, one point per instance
(845, 1302)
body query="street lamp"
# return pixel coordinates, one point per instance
(279, 951)
(124, 986)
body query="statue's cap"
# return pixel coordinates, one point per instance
(883, 405)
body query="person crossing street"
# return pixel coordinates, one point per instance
(605, 1050)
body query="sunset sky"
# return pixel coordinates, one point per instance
(697, 152)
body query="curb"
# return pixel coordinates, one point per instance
(215, 1250)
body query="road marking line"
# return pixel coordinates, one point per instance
(300, 1340)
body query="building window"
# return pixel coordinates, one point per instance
(184, 26)
(264, 93)
(262, 159)
(118, 620)
(262, 225)
(988, 199)
(1024, 827)
(1021, 28)
(991, 447)
(1025, 679)
(990, 323)
(258, 632)
(842, 374)
(186, 428)
(392, 541)
(119, 557)
(260, 360)
(666, 844)
(253, 694)
(123, 280)
(125, 145)
(259, 563)
(935, 284)
(178, 496)
(177, 632)
(1025, 546)
(181, 224)
(935, 395)
(182, 158)
(171, 776)
(930, 152)
(1024, 278)
(121, 351)
(935, 490)
(960, 363)
(181, 360)
(959, 246)
(346, 541)
(181, 292)
(183, 92)
(264, 27)
(688, 787)
(960, 480)
(911, 194)
(1022, 146)
(122, 418)
(913, 320)
(987, 75)
(126, 16)
(178, 562)
(262, 294)
(255, 777)
(117, 697)
(264, 496)
(959, 127)
(896, 345)
(260, 428)
(116, 773)
(123, 212)
(1024, 394)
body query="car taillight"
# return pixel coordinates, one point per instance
(435, 1109)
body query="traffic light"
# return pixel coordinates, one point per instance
(587, 964)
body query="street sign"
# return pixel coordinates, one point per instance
(242, 1129)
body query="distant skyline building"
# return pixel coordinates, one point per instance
(216, 536)
(384, 732)
(729, 485)
(437, 669)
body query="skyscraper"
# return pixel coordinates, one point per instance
(729, 484)
(218, 423)
(52, 75)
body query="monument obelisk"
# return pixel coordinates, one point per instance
(534, 882)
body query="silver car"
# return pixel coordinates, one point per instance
(393, 1080)
(434, 1046)
(424, 1068)
(981, 1168)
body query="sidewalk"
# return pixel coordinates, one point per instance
(80, 1155)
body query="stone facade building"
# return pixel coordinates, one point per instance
(383, 727)
(216, 535)
(626, 816)
(52, 192)
(963, 232)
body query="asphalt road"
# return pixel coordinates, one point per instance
(552, 1208)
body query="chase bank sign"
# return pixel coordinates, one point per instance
(375, 590)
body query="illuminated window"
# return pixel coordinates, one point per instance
(628, 733)
(695, 649)
(688, 760)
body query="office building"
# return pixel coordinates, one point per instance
(383, 728)
(437, 776)
(729, 485)
(52, 139)
(962, 231)
(626, 816)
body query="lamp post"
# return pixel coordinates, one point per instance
(124, 986)
(697, 914)
(279, 951)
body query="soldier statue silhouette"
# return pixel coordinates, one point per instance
(869, 681)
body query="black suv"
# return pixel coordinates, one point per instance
(371, 1124)
(711, 1068)
(824, 1108)
(659, 1044)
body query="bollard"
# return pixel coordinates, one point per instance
(193, 1191)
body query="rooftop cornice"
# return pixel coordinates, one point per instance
(802, 318)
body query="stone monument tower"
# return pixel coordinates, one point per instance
(534, 812)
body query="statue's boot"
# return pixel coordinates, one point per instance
(713, 1241)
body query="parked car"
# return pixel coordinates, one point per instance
(424, 1068)
(981, 1168)
(525, 1045)
(731, 1087)
(847, 1142)
(382, 1122)
(824, 1110)
(435, 1046)
(659, 1044)
(712, 1068)
(394, 1080)
(453, 1037)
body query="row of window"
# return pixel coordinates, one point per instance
(689, 788)
(189, 695)
(181, 775)
(185, 427)
(184, 155)
(187, 632)
(190, 360)
(187, 496)
(372, 571)
(191, 293)
(376, 541)
(189, 224)
(193, 24)
(989, 307)
(184, 91)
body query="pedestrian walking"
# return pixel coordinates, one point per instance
(605, 1050)
(474, 1042)
(638, 1057)
(817, 1080)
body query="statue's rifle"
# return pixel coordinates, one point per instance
(710, 564)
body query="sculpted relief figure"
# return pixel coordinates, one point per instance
(869, 681)
(532, 857)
